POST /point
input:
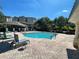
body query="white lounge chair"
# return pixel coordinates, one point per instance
(18, 43)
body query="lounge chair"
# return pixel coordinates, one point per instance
(17, 43)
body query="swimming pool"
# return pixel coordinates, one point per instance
(46, 35)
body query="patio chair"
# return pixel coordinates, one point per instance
(17, 43)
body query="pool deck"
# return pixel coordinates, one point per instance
(60, 48)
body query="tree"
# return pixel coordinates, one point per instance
(2, 17)
(43, 24)
(61, 23)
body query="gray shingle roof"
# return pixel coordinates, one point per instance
(13, 23)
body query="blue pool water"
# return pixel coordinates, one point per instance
(40, 35)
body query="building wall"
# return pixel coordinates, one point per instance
(74, 18)
(28, 21)
(8, 19)
(31, 20)
(15, 18)
(74, 15)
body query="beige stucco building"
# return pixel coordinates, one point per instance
(74, 18)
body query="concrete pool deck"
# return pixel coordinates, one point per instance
(60, 48)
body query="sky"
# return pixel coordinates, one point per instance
(37, 8)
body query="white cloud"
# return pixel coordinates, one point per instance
(64, 10)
